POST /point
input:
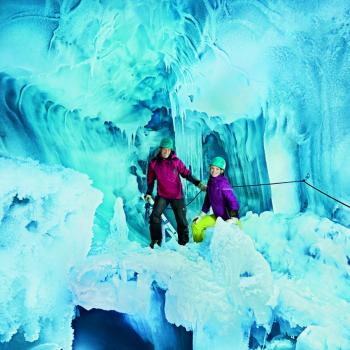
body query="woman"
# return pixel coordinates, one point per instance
(220, 197)
(166, 168)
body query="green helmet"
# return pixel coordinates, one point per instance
(167, 143)
(219, 162)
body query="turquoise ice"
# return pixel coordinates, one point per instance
(88, 89)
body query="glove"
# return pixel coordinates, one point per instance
(202, 186)
(233, 221)
(147, 198)
(196, 218)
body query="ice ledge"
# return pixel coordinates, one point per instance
(46, 217)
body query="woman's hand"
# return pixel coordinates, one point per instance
(202, 186)
(148, 198)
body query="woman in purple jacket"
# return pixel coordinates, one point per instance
(167, 168)
(220, 197)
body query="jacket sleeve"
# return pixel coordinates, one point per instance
(186, 173)
(230, 200)
(151, 176)
(206, 204)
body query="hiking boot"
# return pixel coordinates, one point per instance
(155, 241)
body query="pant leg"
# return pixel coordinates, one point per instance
(179, 208)
(198, 228)
(155, 218)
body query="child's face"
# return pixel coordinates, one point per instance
(215, 171)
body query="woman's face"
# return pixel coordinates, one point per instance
(215, 171)
(165, 152)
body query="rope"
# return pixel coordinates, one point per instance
(281, 183)
(298, 181)
(326, 194)
(271, 183)
(285, 182)
(193, 198)
(187, 204)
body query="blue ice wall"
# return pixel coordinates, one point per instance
(94, 85)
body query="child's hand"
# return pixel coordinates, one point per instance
(195, 219)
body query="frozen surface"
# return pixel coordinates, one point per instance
(283, 281)
(280, 280)
(262, 83)
(91, 87)
(45, 230)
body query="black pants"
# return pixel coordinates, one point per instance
(179, 208)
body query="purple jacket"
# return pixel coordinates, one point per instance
(220, 197)
(167, 173)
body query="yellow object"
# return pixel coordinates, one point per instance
(204, 222)
(199, 227)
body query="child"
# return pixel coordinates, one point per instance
(220, 197)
